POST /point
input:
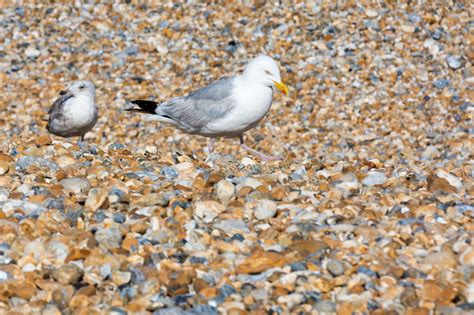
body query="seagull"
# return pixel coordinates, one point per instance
(75, 112)
(225, 108)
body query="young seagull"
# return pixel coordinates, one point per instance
(75, 112)
(226, 108)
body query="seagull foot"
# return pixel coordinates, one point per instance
(262, 156)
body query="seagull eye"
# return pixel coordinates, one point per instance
(81, 87)
(268, 72)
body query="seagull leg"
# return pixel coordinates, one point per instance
(80, 141)
(210, 148)
(211, 157)
(261, 155)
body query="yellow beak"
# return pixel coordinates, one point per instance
(281, 86)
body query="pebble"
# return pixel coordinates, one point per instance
(291, 299)
(414, 18)
(442, 260)
(441, 83)
(232, 226)
(260, 262)
(32, 52)
(75, 184)
(371, 13)
(325, 307)
(374, 178)
(108, 238)
(208, 210)
(27, 161)
(335, 267)
(309, 248)
(151, 200)
(68, 274)
(265, 209)
(453, 62)
(10, 206)
(4, 167)
(437, 34)
(4, 275)
(224, 191)
(451, 179)
(248, 182)
(121, 277)
(467, 257)
(96, 198)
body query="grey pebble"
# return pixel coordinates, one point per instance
(26, 161)
(298, 266)
(204, 309)
(117, 311)
(438, 33)
(29, 208)
(335, 267)
(265, 209)
(374, 178)
(325, 307)
(109, 238)
(414, 18)
(116, 146)
(4, 275)
(441, 83)
(232, 225)
(174, 310)
(466, 106)
(4, 193)
(75, 184)
(453, 62)
(141, 175)
(169, 172)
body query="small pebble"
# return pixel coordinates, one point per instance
(68, 274)
(265, 209)
(335, 267)
(108, 238)
(441, 83)
(225, 191)
(75, 184)
(374, 178)
(453, 62)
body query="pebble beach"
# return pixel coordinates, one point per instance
(370, 211)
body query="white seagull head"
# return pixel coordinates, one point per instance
(264, 70)
(82, 87)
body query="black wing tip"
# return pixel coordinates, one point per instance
(138, 102)
(146, 106)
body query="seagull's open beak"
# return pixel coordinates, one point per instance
(281, 86)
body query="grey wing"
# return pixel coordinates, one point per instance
(59, 103)
(56, 111)
(201, 107)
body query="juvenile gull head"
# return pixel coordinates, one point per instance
(82, 87)
(75, 112)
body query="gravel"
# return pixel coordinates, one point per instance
(370, 211)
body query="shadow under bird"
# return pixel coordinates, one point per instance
(226, 108)
(75, 112)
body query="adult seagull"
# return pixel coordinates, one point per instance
(226, 108)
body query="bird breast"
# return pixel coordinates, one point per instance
(252, 104)
(82, 111)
